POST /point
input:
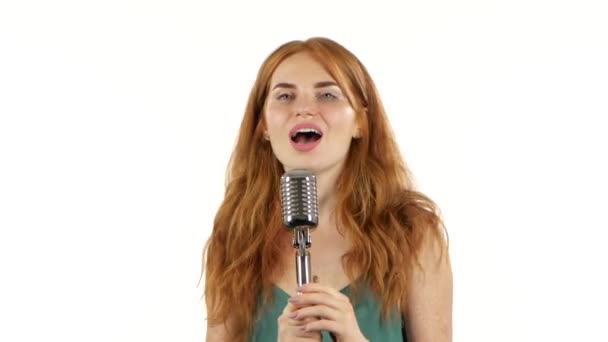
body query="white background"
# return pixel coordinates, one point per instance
(117, 119)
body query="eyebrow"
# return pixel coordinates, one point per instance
(317, 85)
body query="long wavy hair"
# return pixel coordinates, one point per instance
(377, 206)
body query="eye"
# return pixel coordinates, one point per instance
(328, 96)
(283, 96)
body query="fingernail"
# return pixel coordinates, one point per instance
(292, 315)
(292, 299)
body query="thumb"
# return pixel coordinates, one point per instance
(289, 308)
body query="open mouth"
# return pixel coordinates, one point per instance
(306, 136)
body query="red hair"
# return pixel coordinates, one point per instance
(377, 206)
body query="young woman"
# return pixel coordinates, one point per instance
(379, 251)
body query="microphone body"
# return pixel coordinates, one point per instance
(300, 215)
(299, 199)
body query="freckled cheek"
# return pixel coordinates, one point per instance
(274, 121)
(342, 119)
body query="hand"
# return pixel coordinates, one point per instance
(292, 330)
(320, 307)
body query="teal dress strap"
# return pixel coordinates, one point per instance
(367, 311)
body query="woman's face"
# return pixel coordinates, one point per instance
(310, 123)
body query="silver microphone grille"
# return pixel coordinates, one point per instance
(299, 199)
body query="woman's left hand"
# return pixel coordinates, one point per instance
(331, 308)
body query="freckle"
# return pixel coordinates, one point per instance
(315, 279)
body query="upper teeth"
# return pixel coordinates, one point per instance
(306, 130)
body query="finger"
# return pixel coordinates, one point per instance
(284, 316)
(290, 307)
(318, 299)
(316, 312)
(296, 322)
(310, 335)
(298, 328)
(289, 315)
(324, 325)
(318, 288)
(300, 321)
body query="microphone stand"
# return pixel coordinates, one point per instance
(301, 242)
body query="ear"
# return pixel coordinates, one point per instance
(266, 136)
(357, 133)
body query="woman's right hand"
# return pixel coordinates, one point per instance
(292, 330)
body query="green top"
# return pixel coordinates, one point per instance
(367, 311)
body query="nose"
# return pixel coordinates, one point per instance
(305, 105)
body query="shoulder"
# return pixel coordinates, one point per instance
(428, 304)
(219, 332)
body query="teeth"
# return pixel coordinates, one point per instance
(306, 130)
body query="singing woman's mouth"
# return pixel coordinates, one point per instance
(305, 136)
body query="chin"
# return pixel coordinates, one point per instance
(308, 167)
(311, 163)
(315, 168)
(312, 167)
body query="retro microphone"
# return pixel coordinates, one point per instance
(300, 215)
